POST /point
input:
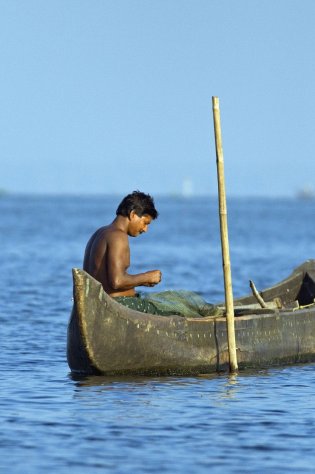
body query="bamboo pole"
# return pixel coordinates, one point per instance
(224, 238)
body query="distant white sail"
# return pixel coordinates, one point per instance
(187, 187)
(306, 193)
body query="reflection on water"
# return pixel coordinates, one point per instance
(104, 381)
(231, 387)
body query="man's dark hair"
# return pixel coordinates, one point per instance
(140, 203)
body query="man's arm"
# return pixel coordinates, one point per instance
(118, 261)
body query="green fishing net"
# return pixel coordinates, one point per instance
(176, 302)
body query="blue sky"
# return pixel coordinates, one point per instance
(107, 96)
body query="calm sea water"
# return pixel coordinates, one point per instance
(261, 421)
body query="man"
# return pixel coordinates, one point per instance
(107, 254)
(107, 259)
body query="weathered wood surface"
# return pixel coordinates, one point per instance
(105, 337)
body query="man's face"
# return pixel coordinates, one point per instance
(138, 225)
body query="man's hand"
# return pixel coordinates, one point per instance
(153, 278)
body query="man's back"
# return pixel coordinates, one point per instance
(95, 254)
(107, 254)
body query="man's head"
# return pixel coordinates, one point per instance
(139, 209)
(138, 202)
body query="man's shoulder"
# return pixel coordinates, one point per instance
(113, 233)
(109, 234)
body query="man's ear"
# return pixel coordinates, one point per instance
(131, 215)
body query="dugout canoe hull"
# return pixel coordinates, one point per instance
(107, 338)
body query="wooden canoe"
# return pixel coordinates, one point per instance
(107, 338)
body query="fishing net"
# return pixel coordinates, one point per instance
(176, 302)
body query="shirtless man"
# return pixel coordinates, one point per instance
(107, 254)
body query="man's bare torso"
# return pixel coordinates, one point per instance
(107, 256)
(100, 253)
